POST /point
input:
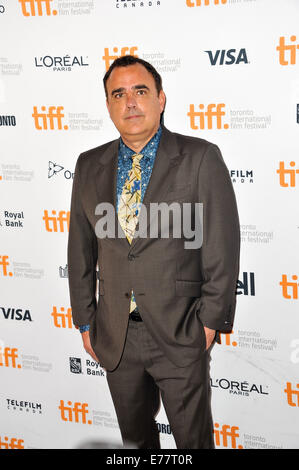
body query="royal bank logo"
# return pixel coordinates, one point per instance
(75, 365)
(55, 169)
(9, 121)
(19, 314)
(110, 57)
(207, 116)
(88, 367)
(63, 272)
(13, 219)
(60, 63)
(228, 57)
(287, 50)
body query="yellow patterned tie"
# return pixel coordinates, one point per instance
(129, 206)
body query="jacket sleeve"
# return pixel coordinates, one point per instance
(221, 242)
(82, 257)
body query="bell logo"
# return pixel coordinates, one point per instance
(291, 392)
(61, 319)
(77, 413)
(206, 119)
(289, 289)
(11, 443)
(38, 7)
(228, 339)
(8, 358)
(54, 222)
(4, 263)
(51, 120)
(287, 51)
(108, 59)
(198, 3)
(227, 437)
(287, 177)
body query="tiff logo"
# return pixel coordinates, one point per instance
(206, 119)
(8, 358)
(228, 339)
(4, 263)
(291, 393)
(109, 58)
(37, 6)
(61, 319)
(199, 3)
(287, 177)
(51, 120)
(287, 51)
(289, 289)
(12, 443)
(56, 223)
(227, 437)
(77, 413)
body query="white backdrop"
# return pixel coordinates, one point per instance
(235, 57)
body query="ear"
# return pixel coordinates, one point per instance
(162, 100)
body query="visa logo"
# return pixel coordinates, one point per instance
(227, 57)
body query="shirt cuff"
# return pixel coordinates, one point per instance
(83, 328)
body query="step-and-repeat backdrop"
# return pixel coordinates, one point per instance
(230, 73)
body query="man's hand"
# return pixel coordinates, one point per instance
(87, 345)
(210, 335)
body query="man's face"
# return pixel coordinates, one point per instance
(133, 102)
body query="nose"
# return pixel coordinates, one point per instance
(131, 101)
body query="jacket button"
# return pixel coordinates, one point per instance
(131, 257)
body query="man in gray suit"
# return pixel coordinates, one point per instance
(184, 295)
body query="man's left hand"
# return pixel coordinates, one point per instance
(210, 335)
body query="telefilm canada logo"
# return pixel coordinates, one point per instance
(137, 3)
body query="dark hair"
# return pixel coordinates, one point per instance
(127, 60)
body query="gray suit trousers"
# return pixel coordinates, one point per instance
(142, 375)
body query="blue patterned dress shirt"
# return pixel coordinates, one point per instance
(124, 166)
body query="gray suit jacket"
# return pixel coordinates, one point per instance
(177, 290)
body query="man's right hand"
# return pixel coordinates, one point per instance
(87, 345)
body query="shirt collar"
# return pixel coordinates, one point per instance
(148, 152)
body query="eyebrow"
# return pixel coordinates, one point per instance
(136, 87)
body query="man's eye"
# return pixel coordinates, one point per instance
(118, 95)
(140, 92)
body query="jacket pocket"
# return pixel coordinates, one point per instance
(188, 288)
